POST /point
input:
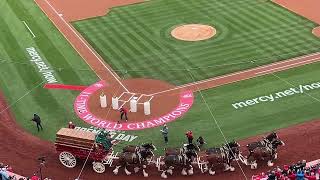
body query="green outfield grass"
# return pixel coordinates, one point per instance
(21, 82)
(137, 38)
(241, 123)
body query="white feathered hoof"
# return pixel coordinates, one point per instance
(190, 171)
(170, 171)
(226, 167)
(254, 165)
(115, 171)
(184, 172)
(232, 169)
(270, 163)
(127, 172)
(145, 174)
(212, 172)
(136, 169)
(276, 156)
(163, 175)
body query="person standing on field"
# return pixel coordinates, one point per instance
(165, 131)
(123, 112)
(71, 125)
(37, 120)
(189, 137)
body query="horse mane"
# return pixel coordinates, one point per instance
(146, 145)
(271, 136)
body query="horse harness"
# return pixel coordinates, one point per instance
(265, 143)
(224, 152)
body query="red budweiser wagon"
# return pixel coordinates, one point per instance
(73, 144)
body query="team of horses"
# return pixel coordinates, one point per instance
(189, 155)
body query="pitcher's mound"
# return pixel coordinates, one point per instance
(193, 32)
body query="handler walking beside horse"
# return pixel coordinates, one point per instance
(189, 137)
(165, 132)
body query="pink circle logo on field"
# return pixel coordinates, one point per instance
(81, 108)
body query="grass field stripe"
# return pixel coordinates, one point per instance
(287, 82)
(208, 53)
(117, 79)
(121, 54)
(143, 35)
(285, 7)
(219, 65)
(263, 66)
(224, 76)
(216, 122)
(146, 42)
(33, 36)
(28, 92)
(232, 74)
(289, 65)
(65, 37)
(164, 11)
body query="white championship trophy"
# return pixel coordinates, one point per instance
(147, 109)
(103, 100)
(133, 104)
(115, 102)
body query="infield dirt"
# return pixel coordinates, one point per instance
(73, 10)
(309, 10)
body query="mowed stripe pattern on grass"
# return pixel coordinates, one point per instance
(135, 39)
(19, 76)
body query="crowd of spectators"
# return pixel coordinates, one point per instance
(6, 173)
(298, 171)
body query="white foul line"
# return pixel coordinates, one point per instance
(55, 11)
(33, 36)
(289, 65)
(27, 93)
(236, 73)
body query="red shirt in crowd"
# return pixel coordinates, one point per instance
(292, 176)
(35, 177)
(311, 177)
(278, 174)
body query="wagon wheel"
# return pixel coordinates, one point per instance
(67, 159)
(98, 167)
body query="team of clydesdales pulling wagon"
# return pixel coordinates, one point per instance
(72, 144)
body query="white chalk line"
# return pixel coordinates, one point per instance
(236, 73)
(288, 66)
(301, 89)
(24, 22)
(65, 36)
(216, 123)
(139, 98)
(145, 95)
(81, 39)
(27, 93)
(179, 87)
(125, 102)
